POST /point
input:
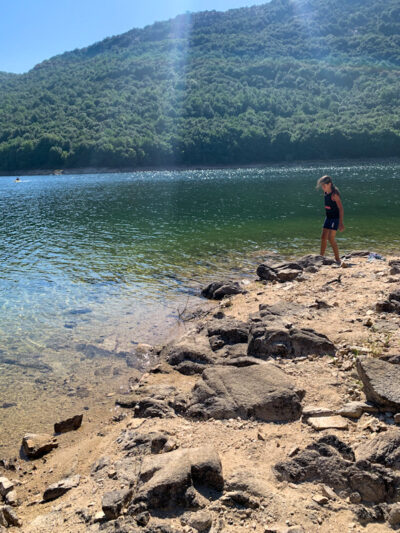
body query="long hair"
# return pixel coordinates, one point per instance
(325, 180)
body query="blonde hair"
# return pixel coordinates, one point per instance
(325, 180)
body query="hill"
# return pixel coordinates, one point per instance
(291, 79)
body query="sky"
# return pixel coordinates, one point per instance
(34, 30)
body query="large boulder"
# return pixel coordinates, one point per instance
(381, 382)
(172, 479)
(262, 391)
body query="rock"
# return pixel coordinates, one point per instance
(170, 479)
(12, 498)
(394, 515)
(5, 486)
(381, 382)
(328, 492)
(70, 424)
(320, 500)
(37, 445)
(189, 355)
(272, 341)
(113, 502)
(327, 422)
(331, 462)
(369, 514)
(383, 449)
(314, 411)
(8, 517)
(142, 519)
(250, 481)
(99, 517)
(61, 487)
(101, 463)
(267, 273)
(144, 443)
(391, 304)
(355, 497)
(356, 409)
(217, 290)
(239, 498)
(397, 418)
(288, 274)
(152, 408)
(201, 520)
(263, 391)
(227, 331)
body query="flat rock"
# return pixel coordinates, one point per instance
(381, 382)
(37, 445)
(327, 422)
(61, 487)
(315, 410)
(70, 424)
(356, 409)
(262, 391)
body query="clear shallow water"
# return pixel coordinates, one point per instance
(93, 264)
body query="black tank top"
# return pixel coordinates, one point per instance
(331, 207)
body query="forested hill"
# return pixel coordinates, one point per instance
(291, 79)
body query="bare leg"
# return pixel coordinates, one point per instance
(324, 240)
(333, 243)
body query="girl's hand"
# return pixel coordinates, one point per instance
(341, 226)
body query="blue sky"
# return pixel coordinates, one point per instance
(34, 30)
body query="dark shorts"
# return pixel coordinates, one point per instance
(331, 223)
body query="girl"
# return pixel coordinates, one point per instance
(334, 215)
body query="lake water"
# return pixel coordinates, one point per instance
(91, 265)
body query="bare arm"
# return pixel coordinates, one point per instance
(336, 198)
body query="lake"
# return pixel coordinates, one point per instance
(92, 265)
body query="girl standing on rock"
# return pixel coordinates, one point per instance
(334, 215)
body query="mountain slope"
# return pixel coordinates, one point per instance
(287, 80)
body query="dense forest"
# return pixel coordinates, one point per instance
(288, 80)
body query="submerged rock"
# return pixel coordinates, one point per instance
(70, 424)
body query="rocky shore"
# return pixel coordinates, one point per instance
(278, 410)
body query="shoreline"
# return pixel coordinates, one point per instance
(183, 168)
(247, 447)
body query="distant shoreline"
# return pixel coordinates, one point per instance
(182, 168)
